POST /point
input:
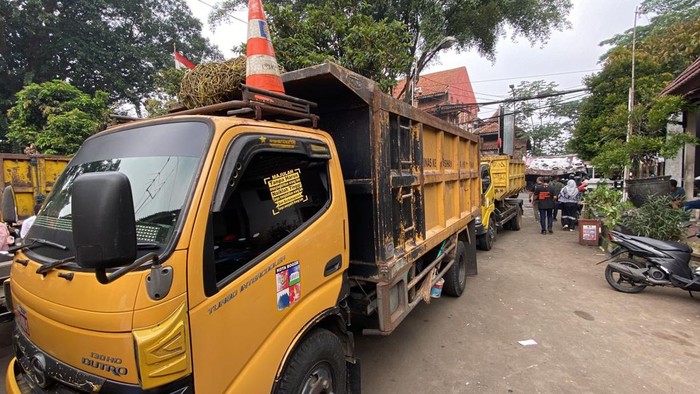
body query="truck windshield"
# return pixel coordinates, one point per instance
(161, 162)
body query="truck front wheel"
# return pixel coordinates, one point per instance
(316, 366)
(485, 242)
(456, 277)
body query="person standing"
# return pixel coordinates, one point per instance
(535, 210)
(6, 239)
(569, 198)
(544, 195)
(556, 186)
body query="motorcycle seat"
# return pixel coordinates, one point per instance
(668, 246)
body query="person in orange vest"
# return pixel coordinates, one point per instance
(544, 195)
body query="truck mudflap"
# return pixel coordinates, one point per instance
(33, 371)
(354, 380)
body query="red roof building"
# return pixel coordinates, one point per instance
(442, 88)
(488, 131)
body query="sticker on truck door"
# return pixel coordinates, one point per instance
(288, 285)
(286, 189)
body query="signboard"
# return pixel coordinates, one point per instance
(589, 232)
(506, 132)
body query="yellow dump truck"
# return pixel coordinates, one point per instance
(228, 248)
(502, 179)
(31, 176)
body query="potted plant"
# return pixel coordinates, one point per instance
(604, 203)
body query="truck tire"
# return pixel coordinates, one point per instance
(317, 365)
(456, 276)
(516, 221)
(485, 242)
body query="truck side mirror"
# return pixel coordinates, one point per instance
(9, 206)
(104, 228)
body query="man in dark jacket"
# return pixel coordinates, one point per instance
(545, 197)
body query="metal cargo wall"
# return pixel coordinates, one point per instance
(508, 175)
(31, 176)
(411, 179)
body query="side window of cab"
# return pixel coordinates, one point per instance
(265, 196)
(485, 177)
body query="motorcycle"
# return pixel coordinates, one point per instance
(640, 262)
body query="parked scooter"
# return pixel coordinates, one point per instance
(641, 262)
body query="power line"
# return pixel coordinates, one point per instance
(212, 7)
(455, 87)
(461, 107)
(540, 75)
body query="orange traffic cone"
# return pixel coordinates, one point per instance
(262, 70)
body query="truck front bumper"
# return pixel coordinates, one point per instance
(11, 385)
(58, 377)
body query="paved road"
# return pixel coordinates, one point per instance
(590, 338)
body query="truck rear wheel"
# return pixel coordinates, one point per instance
(515, 222)
(456, 276)
(316, 366)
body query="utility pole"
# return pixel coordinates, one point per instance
(630, 107)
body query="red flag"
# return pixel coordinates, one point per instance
(181, 61)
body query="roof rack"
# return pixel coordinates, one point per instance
(260, 104)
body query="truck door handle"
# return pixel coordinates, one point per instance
(333, 265)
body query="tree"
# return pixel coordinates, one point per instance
(474, 24)
(340, 31)
(111, 45)
(165, 90)
(56, 117)
(665, 47)
(547, 121)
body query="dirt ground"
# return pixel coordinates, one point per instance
(548, 288)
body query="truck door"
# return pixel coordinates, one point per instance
(272, 257)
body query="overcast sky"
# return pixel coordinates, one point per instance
(565, 59)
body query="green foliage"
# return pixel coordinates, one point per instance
(166, 86)
(547, 122)
(114, 46)
(343, 34)
(657, 219)
(56, 117)
(475, 24)
(665, 47)
(605, 203)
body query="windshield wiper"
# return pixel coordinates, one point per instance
(37, 242)
(58, 263)
(147, 245)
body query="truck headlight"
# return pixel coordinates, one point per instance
(477, 220)
(162, 351)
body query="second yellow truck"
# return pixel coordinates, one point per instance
(502, 179)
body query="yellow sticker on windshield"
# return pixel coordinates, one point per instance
(286, 189)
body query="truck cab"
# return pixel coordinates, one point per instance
(128, 277)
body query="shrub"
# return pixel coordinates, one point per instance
(605, 203)
(657, 219)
